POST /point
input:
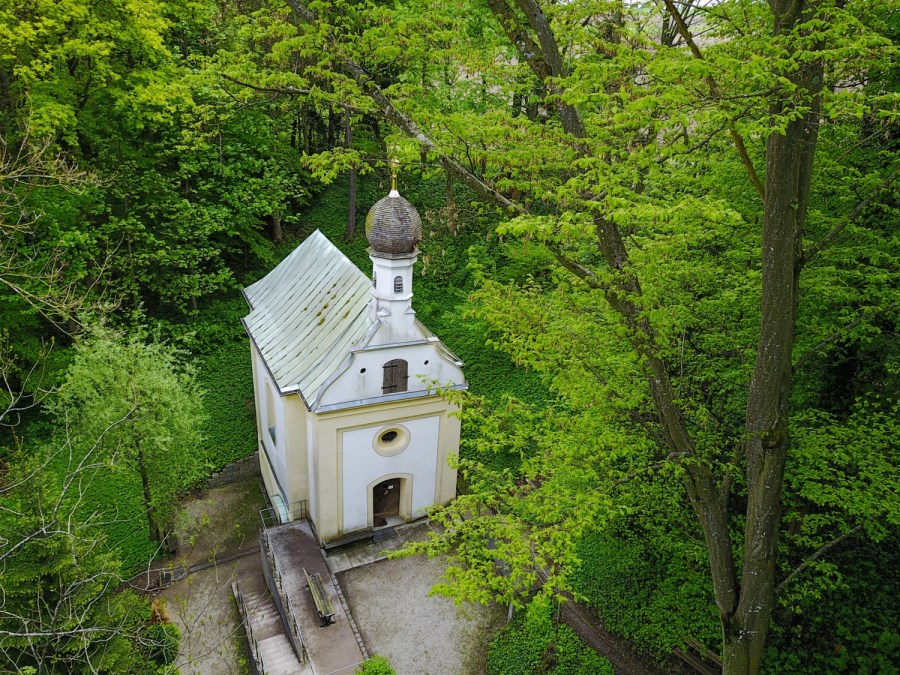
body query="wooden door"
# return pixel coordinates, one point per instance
(385, 501)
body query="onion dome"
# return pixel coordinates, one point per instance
(393, 227)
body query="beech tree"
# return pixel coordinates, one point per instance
(693, 199)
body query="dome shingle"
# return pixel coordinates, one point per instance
(393, 227)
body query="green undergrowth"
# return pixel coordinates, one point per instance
(111, 500)
(229, 432)
(534, 643)
(654, 598)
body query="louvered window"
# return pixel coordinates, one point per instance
(395, 377)
(398, 284)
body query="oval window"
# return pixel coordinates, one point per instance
(391, 440)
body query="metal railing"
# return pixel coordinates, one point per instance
(255, 662)
(288, 615)
(281, 514)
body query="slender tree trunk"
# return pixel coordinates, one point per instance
(276, 227)
(145, 484)
(351, 207)
(332, 124)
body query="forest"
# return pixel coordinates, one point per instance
(662, 235)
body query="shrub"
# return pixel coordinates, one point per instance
(377, 665)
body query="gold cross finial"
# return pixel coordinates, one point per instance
(395, 167)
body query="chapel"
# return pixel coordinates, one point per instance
(352, 431)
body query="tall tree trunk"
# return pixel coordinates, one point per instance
(332, 124)
(351, 207)
(789, 161)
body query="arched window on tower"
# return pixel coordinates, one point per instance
(398, 284)
(395, 376)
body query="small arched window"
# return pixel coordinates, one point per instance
(398, 284)
(395, 376)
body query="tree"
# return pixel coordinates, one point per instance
(62, 608)
(144, 406)
(645, 171)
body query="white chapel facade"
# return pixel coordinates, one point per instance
(351, 428)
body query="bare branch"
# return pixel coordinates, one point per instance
(274, 90)
(835, 232)
(815, 556)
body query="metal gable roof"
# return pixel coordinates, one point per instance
(307, 313)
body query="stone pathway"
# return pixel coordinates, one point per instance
(420, 633)
(331, 648)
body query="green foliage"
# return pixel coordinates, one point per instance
(376, 665)
(63, 610)
(131, 406)
(533, 643)
(851, 628)
(229, 427)
(655, 597)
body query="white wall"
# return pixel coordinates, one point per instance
(362, 465)
(274, 449)
(365, 376)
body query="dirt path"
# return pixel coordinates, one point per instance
(217, 533)
(623, 656)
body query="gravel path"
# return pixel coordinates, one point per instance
(218, 524)
(418, 633)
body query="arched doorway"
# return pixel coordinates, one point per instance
(386, 501)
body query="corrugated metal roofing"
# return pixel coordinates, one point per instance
(307, 313)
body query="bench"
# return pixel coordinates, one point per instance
(347, 539)
(324, 608)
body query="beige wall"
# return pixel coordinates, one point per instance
(329, 455)
(291, 448)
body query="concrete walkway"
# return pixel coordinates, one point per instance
(356, 556)
(330, 648)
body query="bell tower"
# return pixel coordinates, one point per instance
(394, 230)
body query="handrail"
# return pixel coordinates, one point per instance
(244, 611)
(281, 514)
